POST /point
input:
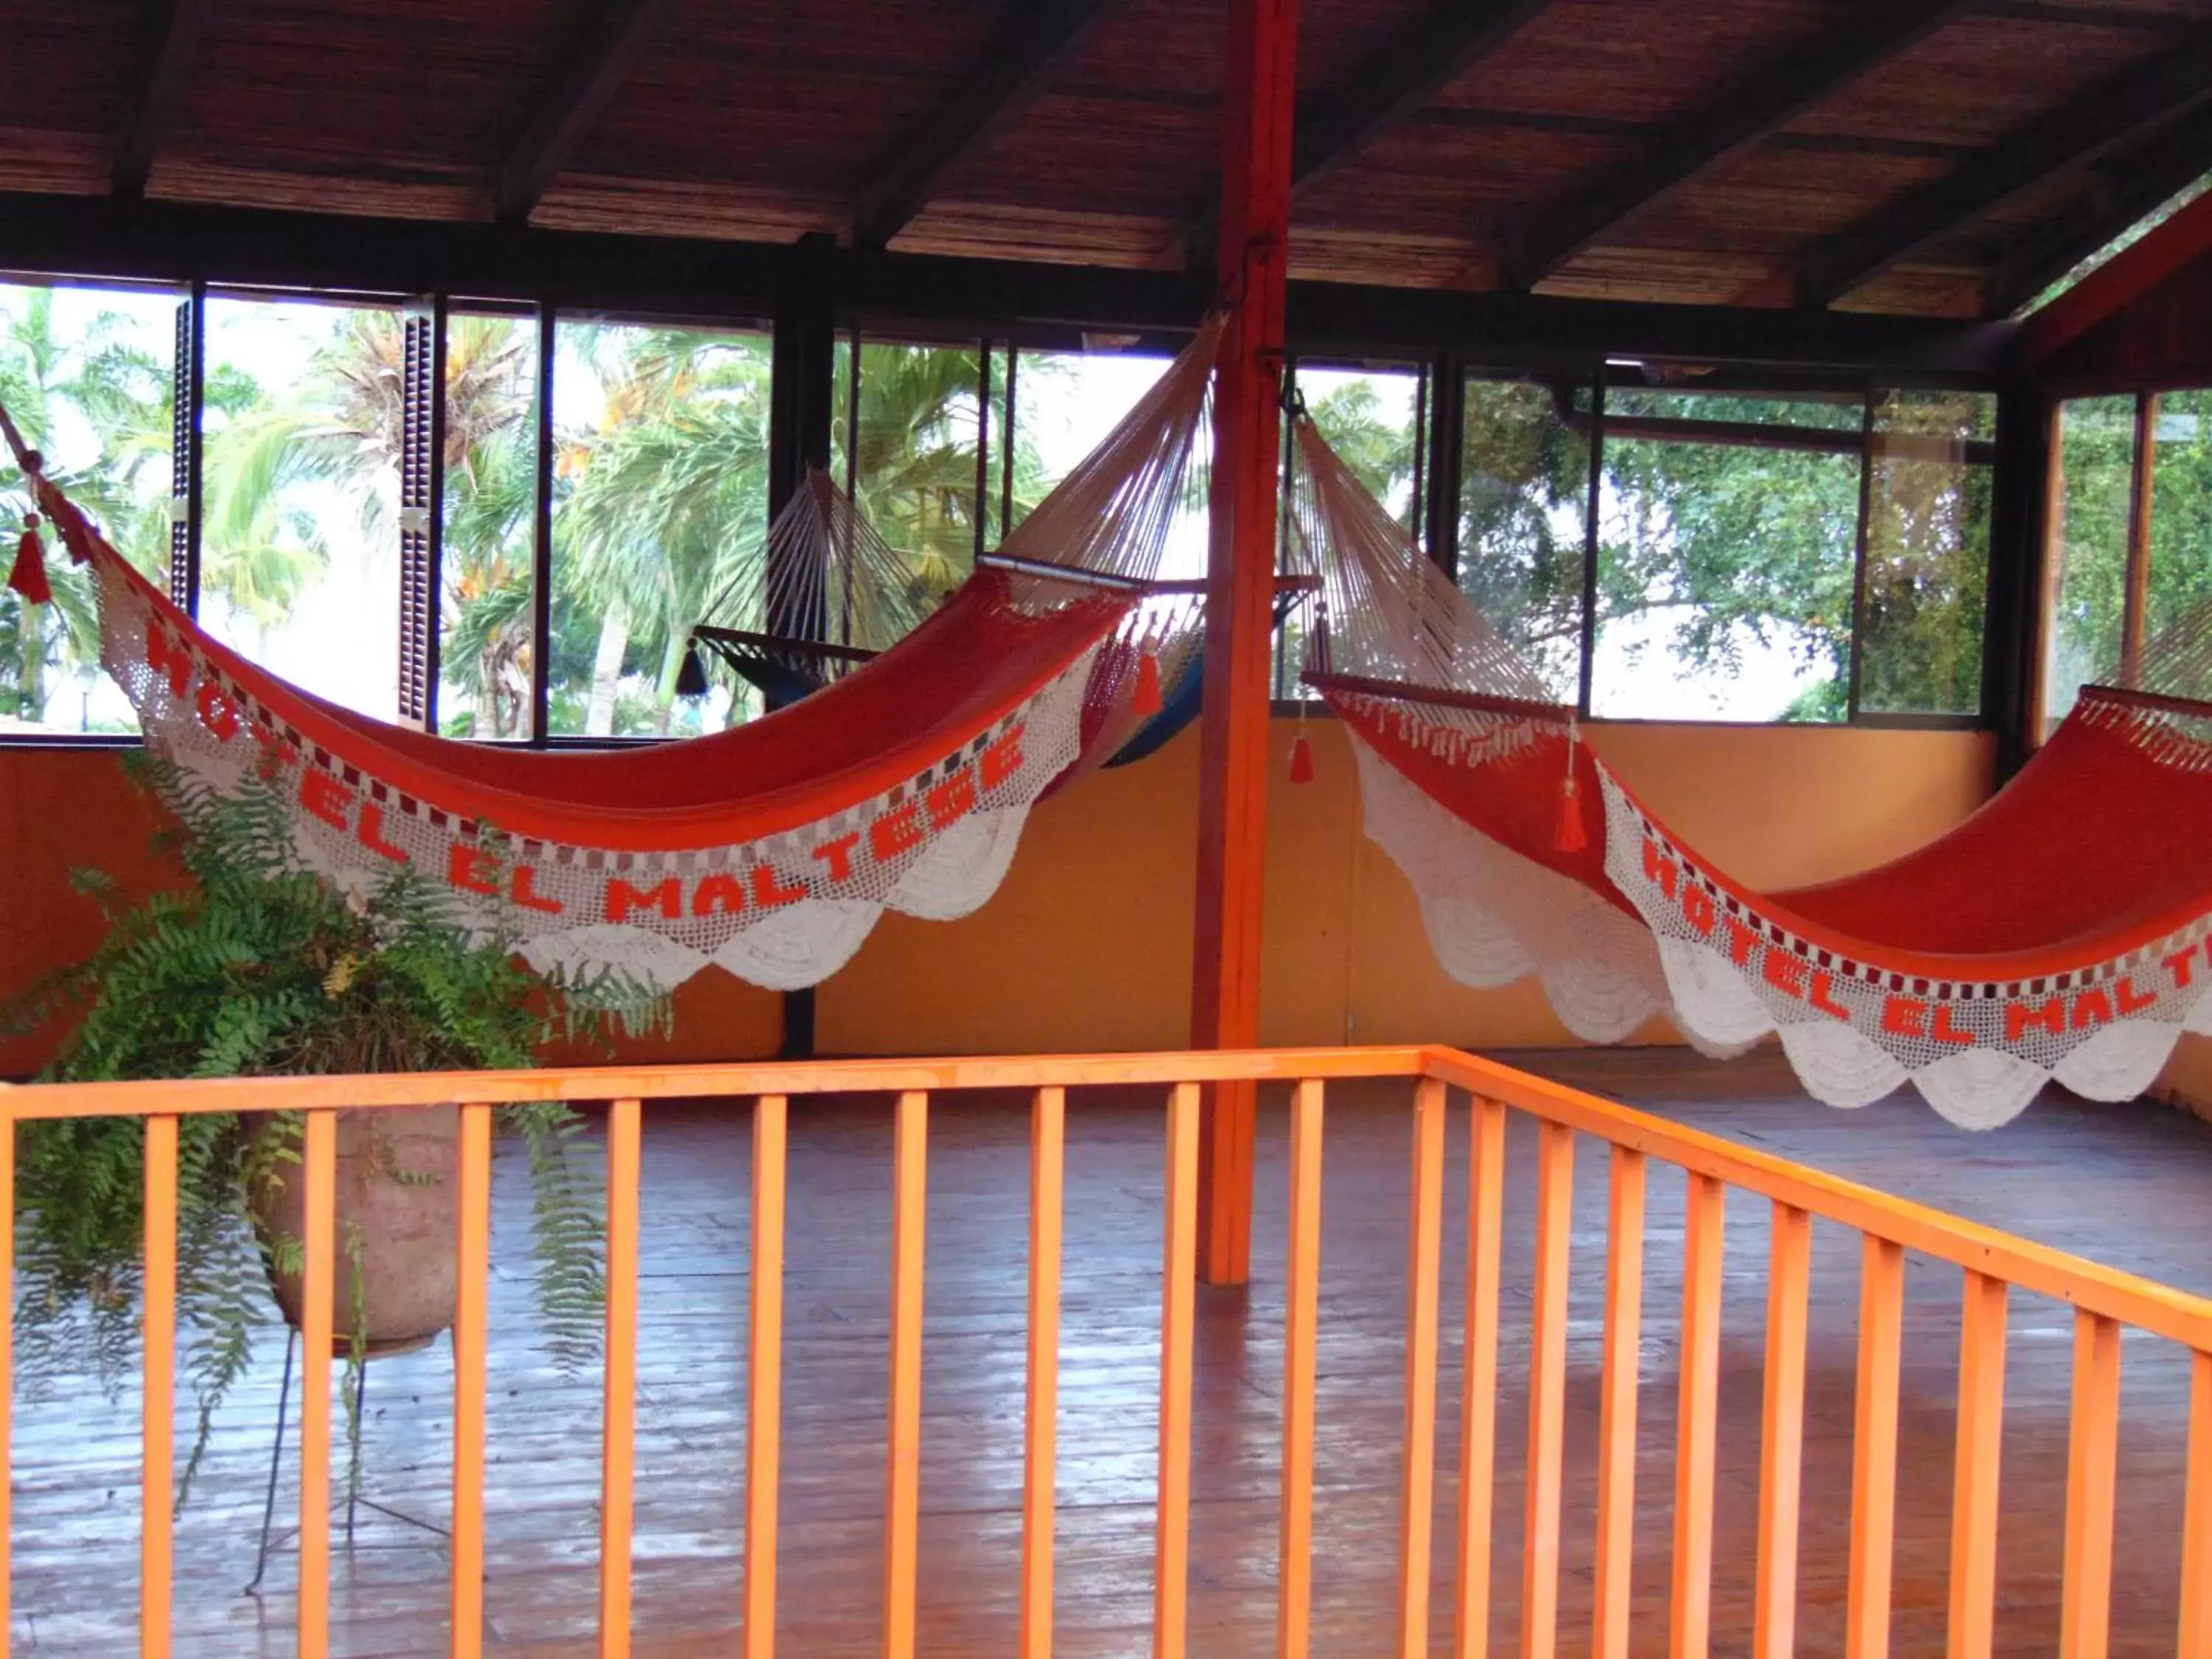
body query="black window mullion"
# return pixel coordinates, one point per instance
(1591, 508)
(541, 540)
(1859, 559)
(186, 394)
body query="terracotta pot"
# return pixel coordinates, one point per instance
(396, 1175)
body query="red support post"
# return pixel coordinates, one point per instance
(1256, 215)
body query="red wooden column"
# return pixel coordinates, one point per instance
(1232, 810)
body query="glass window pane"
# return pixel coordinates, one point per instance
(87, 374)
(300, 536)
(1523, 495)
(914, 476)
(1724, 567)
(1927, 553)
(2088, 546)
(660, 518)
(489, 588)
(2180, 530)
(1065, 403)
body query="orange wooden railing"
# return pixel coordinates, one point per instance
(1993, 1265)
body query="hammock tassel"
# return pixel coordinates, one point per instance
(1302, 764)
(29, 577)
(691, 673)
(1572, 836)
(1147, 700)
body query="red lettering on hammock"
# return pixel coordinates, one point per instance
(622, 898)
(838, 855)
(1944, 1031)
(719, 892)
(1697, 908)
(472, 870)
(526, 895)
(766, 892)
(1823, 982)
(952, 800)
(2133, 1001)
(1740, 938)
(2181, 965)
(2092, 1008)
(165, 656)
(325, 798)
(1658, 867)
(1003, 758)
(2050, 1016)
(370, 833)
(1785, 972)
(217, 712)
(895, 832)
(1905, 1017)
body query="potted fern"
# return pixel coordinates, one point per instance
(261, 968)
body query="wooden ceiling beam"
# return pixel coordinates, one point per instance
(1034, 38)
(1416, 63)
(164, 64)
(2116, 112)
(588, 75)
(1751, 111)
(1044, 304)
(1391, 85)
(2127, 190)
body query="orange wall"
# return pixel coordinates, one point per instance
(1087, 944)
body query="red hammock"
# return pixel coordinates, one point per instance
(770, 848)
(2059, 932)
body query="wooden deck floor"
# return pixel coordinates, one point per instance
(2130, 1186)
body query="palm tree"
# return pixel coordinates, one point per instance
(120, 393)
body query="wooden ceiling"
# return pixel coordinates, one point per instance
(1927, 157)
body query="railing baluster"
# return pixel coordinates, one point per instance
(903, 1513)
(764, 1375)
(1040, 1421)
(2197, 1515)
(472, 1287)
(618, 1425)
(1616, 1456)
(1301, 1321)
(1478, 1441)
(2091, 1472)
(1178, 1308)
(1980, 1450)
(1417, 1484)
(1547, 1390)
(1782, 1433)
(1874, 1448)
(319, 1293)
(157, 1494)
(1697, 1416)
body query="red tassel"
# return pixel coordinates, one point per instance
(29, 577)
(1301, 760)
(1146, 699)
(1572, 837)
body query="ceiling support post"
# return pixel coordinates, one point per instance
(1232, 813)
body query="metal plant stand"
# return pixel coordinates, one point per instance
(354, 1499)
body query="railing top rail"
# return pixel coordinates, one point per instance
(2067, 1277)
(795, 1078)
(2127, 1298)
